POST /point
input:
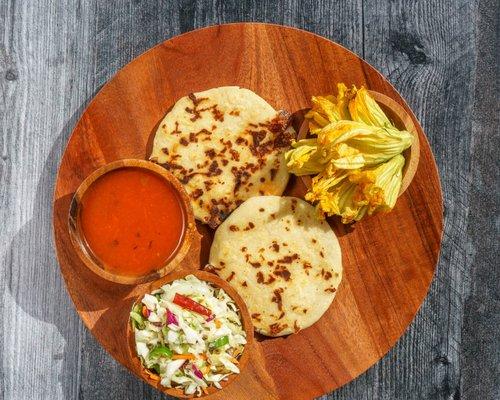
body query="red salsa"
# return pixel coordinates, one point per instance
(132, 220)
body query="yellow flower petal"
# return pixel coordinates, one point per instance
(352, 145)
(364, 108)
(327, 107)
(353, 194)
(305, 158)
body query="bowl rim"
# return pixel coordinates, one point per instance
(411, 154)
(91, 260)
(246, 321)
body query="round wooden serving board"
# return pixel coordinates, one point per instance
(388, 260)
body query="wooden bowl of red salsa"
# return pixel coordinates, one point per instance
(131, 221)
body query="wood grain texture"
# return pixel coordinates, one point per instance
(383, 283)
(54, 56)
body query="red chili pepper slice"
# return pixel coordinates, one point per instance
(190, 304)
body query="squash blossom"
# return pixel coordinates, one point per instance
(356, 155)
(353, 194)
(364, 108)
(346, 145)
(304, 158)
(352, 144)
(327, 109)
(380, 185)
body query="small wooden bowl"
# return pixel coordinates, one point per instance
(92, 261)
(402, 120)
(139, 369)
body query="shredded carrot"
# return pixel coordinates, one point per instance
(183, 357)
(152, 375)
(203, 356)
(204, 390)
(218, 324)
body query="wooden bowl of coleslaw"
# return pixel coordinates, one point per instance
(246, 323)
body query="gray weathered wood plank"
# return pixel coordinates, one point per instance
(441, 55)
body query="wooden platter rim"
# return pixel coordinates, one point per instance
(398, 99)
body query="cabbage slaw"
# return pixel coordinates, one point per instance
(190, 334)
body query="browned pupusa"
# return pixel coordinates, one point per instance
(284, 262)
(225, 145)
